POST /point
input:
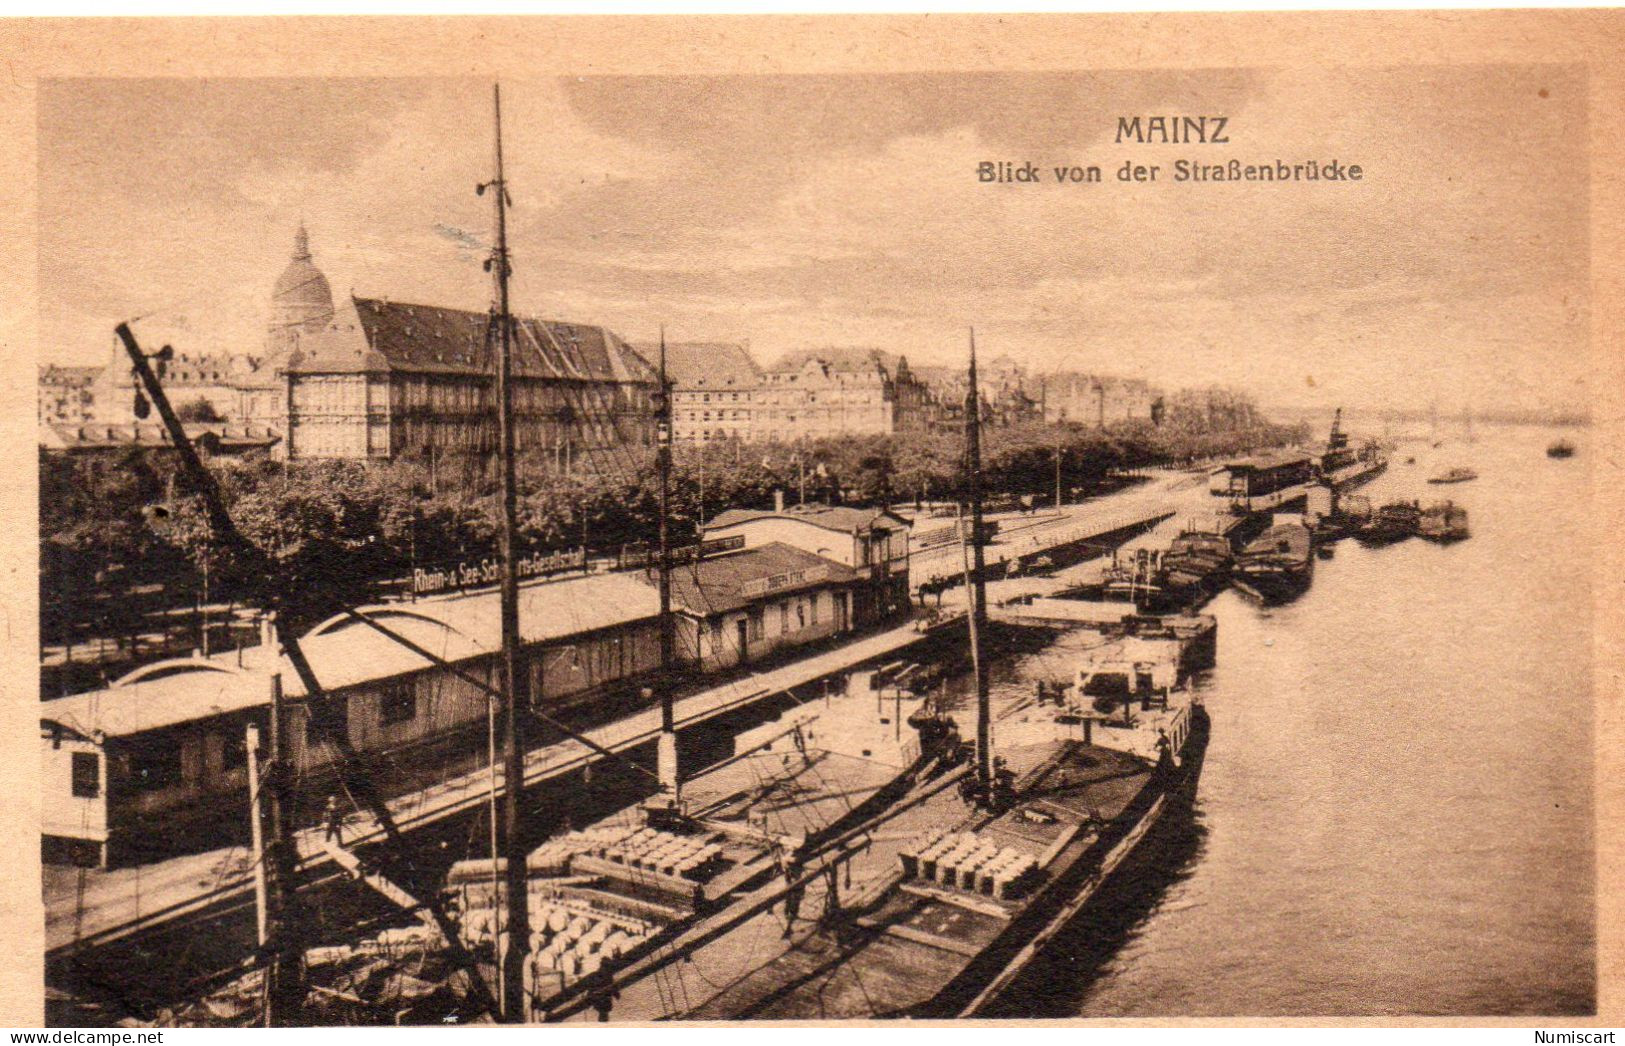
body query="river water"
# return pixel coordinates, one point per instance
(1395, 816)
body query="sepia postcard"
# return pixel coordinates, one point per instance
(1068, 518)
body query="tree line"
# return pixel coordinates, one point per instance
(111, 524)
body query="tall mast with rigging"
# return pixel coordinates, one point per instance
(667, 755)
(515, 680)
(978, 589)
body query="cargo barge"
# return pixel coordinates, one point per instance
(1278, 564)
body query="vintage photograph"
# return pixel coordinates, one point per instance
(1084, 543)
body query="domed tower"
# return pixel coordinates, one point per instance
(301, 301)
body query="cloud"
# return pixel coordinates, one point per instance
(804, 211)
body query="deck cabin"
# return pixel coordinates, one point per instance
(1263, 483)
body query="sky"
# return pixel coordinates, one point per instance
(808, 211)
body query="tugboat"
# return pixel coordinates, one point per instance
(1343, 466)
(1444, 522)
(1458, 474)
(1561, 449)
(1278, 564)
(1395, 521)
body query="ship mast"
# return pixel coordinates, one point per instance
(515, 681)
(978, 590)
(667, 754)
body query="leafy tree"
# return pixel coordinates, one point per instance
(199, 409)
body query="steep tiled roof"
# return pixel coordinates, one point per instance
(841, 361)
(706, 365)
(53, 374)
(374, 335)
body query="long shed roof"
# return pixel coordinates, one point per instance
(840, 518)
(1269, 461)
(344, 653)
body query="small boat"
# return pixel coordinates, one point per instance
(1561, 449)
(1458, 474)
(1331, 518)
(1395, 521)
(1277, 565)
(1131, 577)
(1443, 521)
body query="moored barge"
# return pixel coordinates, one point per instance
(1393, 522)
(1443, 522)
(1278, 564)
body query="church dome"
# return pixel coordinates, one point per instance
(301, 301)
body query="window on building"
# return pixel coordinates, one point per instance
(158, 763)
(87, 775)
(784, 619)
(757, 624)
(314, 736)
(812, 608)
(233, 751)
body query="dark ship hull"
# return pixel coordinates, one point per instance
(1443, 523)
(1195, 567)
(931, 952)
(1393, 522)
(1278, 565)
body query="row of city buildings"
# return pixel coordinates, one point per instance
(369, 378)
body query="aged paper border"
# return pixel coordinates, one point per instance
(521, 48)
